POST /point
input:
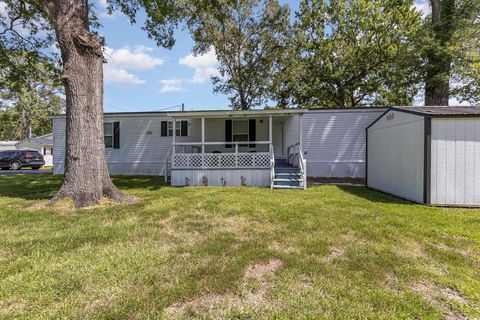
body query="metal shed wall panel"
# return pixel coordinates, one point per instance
(334, 141)
(395, 155)
(455, 175)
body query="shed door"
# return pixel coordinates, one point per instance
(277, 139)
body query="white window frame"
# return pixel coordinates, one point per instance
(247, 134)
(105, 135)
(178, 128)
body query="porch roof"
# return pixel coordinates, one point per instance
(234, 113)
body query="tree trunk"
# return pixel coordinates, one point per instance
(437, 89)
(86, 178)
(243, 100)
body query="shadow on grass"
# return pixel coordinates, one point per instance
(139, 182)
(29, 187)
(43, 187)
(372, 195)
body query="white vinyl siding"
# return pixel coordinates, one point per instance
(396, 155)
(219, 177)
(455, 154)
(334, 141)
(143, 150)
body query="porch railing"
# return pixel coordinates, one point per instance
(296, 158)
(236, 160)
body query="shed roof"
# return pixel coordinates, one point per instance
(42, 140)
(442, 111)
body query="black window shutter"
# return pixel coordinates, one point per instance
(228, 133)
(164, 129)
(116, 135)
(184, 129)
(252, 132)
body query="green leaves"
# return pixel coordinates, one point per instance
(355, 52)
(249, 38)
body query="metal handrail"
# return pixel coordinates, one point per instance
(303, 168)
(296, 158)
(272, 166)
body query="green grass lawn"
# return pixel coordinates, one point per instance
(242, 253)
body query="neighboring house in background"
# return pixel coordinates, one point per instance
(268, 148)
(42, 144)
(8, 145)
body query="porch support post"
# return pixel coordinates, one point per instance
(173, 140)
(270, 129)
(301, 131)
(203, 135)
(174, 133)
(203, 142)
(174, 129)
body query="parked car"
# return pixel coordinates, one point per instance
(16, 159)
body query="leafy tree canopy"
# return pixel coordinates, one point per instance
(248, 37)
(355, 52)
(450, 46)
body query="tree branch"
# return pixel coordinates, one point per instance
(46, 7)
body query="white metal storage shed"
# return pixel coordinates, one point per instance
(428, 155)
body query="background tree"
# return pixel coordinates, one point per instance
(451, 49)
(28, 114)
(248, 36)
(68, 22)
(30, 89)
(355, 52)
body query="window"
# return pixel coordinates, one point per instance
(240, 130)
(8, 153)
(111, 135)
(181, 130)
(108, 134)
(47, 151)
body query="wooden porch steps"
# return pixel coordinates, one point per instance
(287, 177)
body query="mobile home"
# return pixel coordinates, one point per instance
(267, 148)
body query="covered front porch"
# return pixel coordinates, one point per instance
(231, 148)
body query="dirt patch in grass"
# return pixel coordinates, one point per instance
(282, 247)
(460, 251)
(441, 297)
(258, 271)
(336, 253)
(251, 297)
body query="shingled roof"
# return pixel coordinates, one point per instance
(441, 111)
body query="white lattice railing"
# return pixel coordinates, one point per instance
(220, 160)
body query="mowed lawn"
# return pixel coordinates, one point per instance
(235, 253)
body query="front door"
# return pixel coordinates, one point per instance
(277, 139)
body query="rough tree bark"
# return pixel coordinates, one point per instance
(86, 178)
(437, 88)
